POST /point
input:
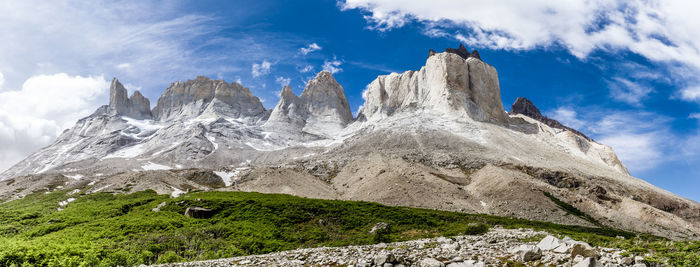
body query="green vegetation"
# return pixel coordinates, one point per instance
(476, 229)
(571, 209)
(107, 230)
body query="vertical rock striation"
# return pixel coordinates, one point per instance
(195, 97)
(137, 107)
(452, 83)
(321, 105)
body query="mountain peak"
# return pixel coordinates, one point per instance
(525, 107)
(137, 106)
(191, 98)
(322, 102)
(452, 83)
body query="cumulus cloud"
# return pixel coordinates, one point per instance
(309, 48)
(283, 81)
(32, 117)
(332, 66)
(691, 93)
(260, 69)
(658, 30)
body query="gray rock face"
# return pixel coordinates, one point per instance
(137, 107)
(448, 84)
(321, 109)
(525, 107)
(202, 95)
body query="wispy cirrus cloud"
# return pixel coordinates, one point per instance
(640, 139)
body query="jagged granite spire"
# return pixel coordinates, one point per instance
(137, 106)
(321, 106)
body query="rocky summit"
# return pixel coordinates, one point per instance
(437, 138)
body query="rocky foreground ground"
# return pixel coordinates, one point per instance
(498, 247)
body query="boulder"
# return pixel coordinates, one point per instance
(467, 263)
(380, 226)
(588, 262)
(430, 262)
(584, 250)
(529, 253)
(199, 212)
(383, 258)
(562, 248)
(160, 206)
(549, 243)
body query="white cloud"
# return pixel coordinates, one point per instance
(156, 37)
(691, 93)
(627, 91)
(32, 117)
(283, 81)
(261, 68)
(309, 48)
(694, 116)
(658, 30)
(2, 80)
(639, 152)
(642, 140)
(332, 66)
(307, 68)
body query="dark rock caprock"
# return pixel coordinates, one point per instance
(461, 51)
(525, 107)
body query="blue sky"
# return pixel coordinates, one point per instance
(624, 72)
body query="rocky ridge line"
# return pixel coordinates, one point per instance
(525, 107)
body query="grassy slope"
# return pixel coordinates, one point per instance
(105, 229)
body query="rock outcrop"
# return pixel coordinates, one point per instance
(449, 84)
(321, 107)
(525, 107)
(193, 98)
(137, 106)
(461, 51)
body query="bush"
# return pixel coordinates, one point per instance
(382, 236)
(476, 229)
